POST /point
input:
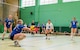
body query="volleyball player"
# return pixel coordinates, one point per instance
(7, 25)
(16, 34)
(49, 29)
(73, 26)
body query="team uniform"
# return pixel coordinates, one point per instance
(73, 28)
(49, 30)
(43, 28)
(16, 30)
(49, 26)
(43, 25)
(74, 24)
(8, 22)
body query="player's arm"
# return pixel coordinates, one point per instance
(11, 26)
(4, 24)
(77, 23)
(52, 26)
(46, 25)
(25, 28)
(52, 29)
(70, 25)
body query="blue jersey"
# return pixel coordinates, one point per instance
(43, 26)
(17, 29)
(8, 22)
(73, 24)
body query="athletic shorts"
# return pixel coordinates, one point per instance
(73, 27)
(11, 37)
(7, 26)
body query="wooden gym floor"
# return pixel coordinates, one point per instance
(38, 42)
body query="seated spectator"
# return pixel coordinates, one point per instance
(32, 27)
(43, 28)
(33, 23)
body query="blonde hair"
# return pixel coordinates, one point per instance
(20, 21)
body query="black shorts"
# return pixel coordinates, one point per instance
(11, 37)
(7, 26)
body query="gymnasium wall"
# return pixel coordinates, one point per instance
(1, 16)
(6, 8)
(60, 14)
(25, 14)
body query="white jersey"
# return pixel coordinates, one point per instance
(49, 26)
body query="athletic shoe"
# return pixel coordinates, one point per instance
(48, 38)
(2, 38)
(15, 43)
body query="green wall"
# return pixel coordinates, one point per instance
(60, 14)
(1, 28)
(25, 14)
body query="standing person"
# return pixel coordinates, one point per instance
(7, 25)
(49, 29)
(73, 26)
(16, 34)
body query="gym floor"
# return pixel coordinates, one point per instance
(38, 42)
(7, 44)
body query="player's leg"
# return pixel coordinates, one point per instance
(46, 33)
(36, 30)
(18, 37)
(75, 31)
(32, 32)
(72, 33)
(10, 30)
(43, 30)
(49, 33)
(5, 30)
